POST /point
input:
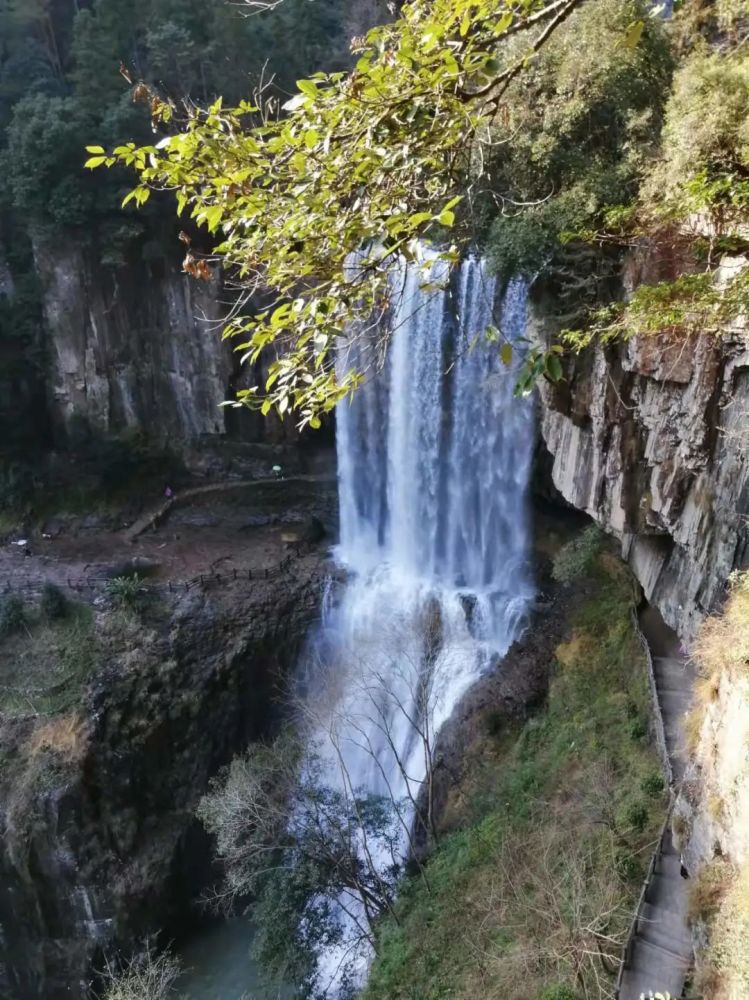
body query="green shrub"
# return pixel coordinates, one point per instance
(627, 867)
(12, 615)
(574, 559)
(54, 604)
(653, 784)
(580, 134)
(706, 130)
(125, 591)
(636, 816)
(559, 992)
(638, 728)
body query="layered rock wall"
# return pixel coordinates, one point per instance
(100, 842)
(650, 438)
(713, 805)
(130, 348)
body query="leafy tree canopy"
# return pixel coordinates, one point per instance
(366, 163)
(306, 852)
(689, 220)
(61, 88)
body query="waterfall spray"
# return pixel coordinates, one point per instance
(434, 457)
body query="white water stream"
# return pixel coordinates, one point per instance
(433, 462)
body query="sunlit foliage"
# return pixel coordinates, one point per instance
(366, 162)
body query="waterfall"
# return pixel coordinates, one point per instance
(434, 456)
(434, 452)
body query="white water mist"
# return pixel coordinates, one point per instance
(434, 457)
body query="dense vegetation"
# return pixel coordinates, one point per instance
(61, 88)
(532, 894)
(461, 122)
(455, 114)
(401, 148)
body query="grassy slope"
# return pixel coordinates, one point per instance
(44, 664)
(563, 811)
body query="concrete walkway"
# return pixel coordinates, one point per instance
(661, 951)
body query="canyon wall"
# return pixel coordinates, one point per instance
(711, 817)
(131, 348)
(97, 806)
(649, 438)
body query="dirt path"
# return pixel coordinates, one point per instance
(155, 516)
(661, 951)
(240, 528)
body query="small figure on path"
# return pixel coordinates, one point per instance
(278, 472)
(169, 493)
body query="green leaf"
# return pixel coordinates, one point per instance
(307, 87)
(504, 23)
(633, 34)
(296, 102)
(95, 149)
(446, 218)
(553, 367)
(419, 219)
(94, 162)
(505, 353)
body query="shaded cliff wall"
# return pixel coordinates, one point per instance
(100, 843)
(713, 804)
(134, 347)
(649, 438)
(23, 421)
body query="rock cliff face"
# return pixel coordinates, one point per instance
(100, 841)
(711, 826)
(713, 805)
(131, 348)
(649, 439)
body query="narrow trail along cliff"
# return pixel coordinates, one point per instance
(660, 953)
(153, 517)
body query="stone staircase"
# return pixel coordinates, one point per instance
(662, 947)
(659, 954)
(674, 679)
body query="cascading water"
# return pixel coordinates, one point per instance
(434, 455)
